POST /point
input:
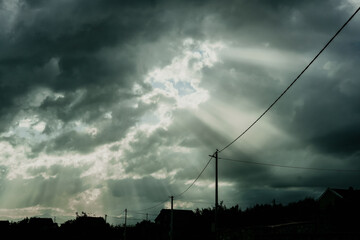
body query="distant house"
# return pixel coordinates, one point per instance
(335, 197)
(164, 217)
(184, 223)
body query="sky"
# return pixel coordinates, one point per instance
(113, 105)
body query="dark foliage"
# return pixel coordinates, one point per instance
(299, 220)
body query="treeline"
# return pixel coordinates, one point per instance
(299, 220)
(261, 214)
(304, 219)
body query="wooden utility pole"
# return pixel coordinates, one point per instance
(216, 195)
(125, 224)
(172, 219)
(215, 226)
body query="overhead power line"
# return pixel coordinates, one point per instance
(178, 195)
(207, 164)
(296, 167)
(251, 125)
(292, 83)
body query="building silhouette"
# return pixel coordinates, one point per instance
(335, 197)
(184, 224)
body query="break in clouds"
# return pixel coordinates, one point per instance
(107, 105)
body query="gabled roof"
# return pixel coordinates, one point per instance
(179, 214)
(349, 194)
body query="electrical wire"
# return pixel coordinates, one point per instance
(183, 192)
(292, 83)
(119, 216)
(286, 166)
(178, 195)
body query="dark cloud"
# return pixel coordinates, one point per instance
(328, 115)
(296, 26)
(70, 46)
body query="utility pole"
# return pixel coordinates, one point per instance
(172, 219)
(125, 224)
(215, 226)
(105, 217)
(216, 195)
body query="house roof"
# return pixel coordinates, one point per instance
(346, 194)
(182, 214)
